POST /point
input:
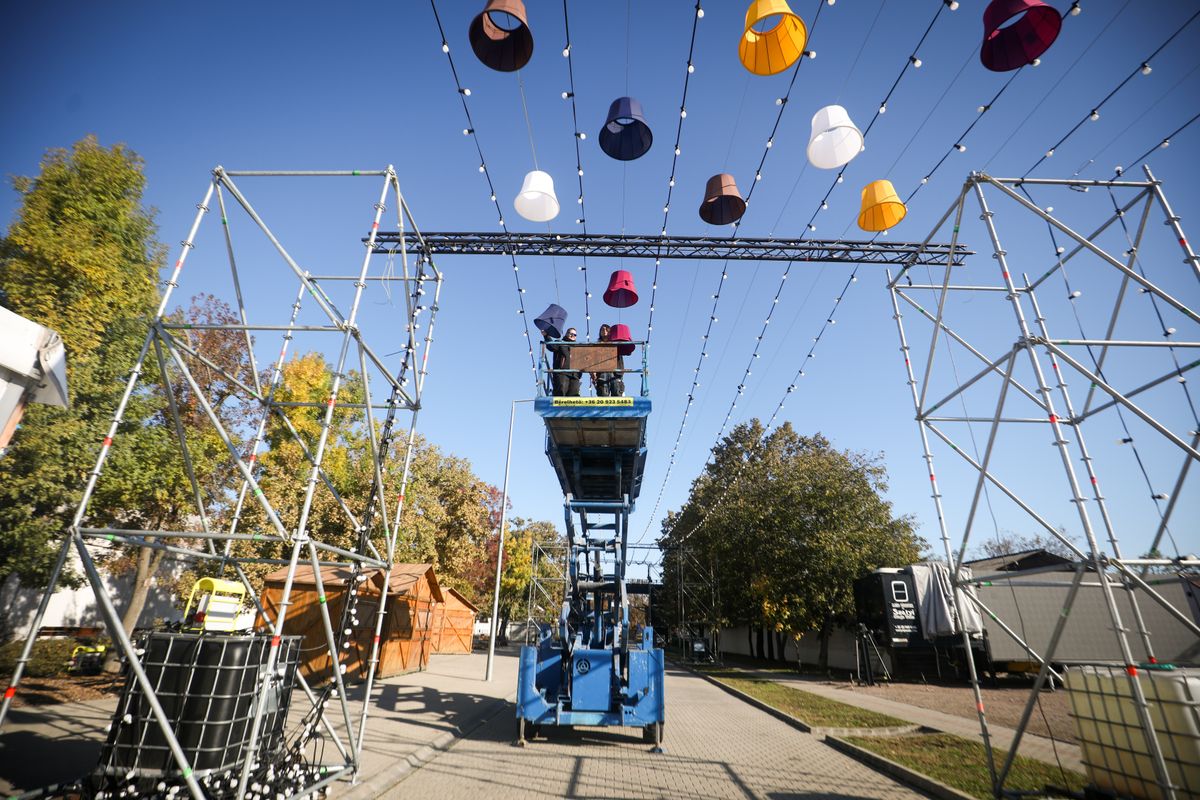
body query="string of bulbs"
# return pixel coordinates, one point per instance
(470, 131)
(582, 219)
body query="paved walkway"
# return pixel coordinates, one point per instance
(1032, 746)
(717, 746)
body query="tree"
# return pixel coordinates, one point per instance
(1007, 543)
(80, 258)
(792, 522)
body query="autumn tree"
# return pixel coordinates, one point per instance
(792, 522)
(80, 258)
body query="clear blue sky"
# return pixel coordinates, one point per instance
(328, 86)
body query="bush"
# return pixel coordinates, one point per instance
(48, 659)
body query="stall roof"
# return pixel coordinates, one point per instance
(403, 577)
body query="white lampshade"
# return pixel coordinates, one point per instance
(835, 140)
(537, 202)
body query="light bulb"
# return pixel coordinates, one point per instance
(567, 51)
(1075, 9)
(952, 4)
(1165, 143)
(916, 62)
(982, 109)
(883, 108)
(1049, 153)
(691, 69)
(1146, 70)
(445, 47)
(824, 205)
(683, 113)
(778, 101)
(467, 131)
(566, 95)
(960, 147)
(1095, 115)
(676, 151)
(1037, 62)
(810, 53)
(699, 12)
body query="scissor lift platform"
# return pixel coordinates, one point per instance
(596, 444)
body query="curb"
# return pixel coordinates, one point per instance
(389, 777)
(831, 737)
(897, 771)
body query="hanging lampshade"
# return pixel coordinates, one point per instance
(537, 202)
(1009, 46)
(504, 49)
(552, 321)
(621, 292)
(881, 207)
(835, 140)
(723, 203)
(771, 51)
(620, 333)
(625, 135)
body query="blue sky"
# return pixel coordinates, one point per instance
(308, 86)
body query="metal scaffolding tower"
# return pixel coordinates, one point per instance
(1047, 358)
(226, 527)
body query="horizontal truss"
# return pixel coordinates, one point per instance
(597, 245)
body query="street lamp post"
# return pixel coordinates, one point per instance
(491, 656)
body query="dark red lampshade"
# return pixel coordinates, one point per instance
(621, 292)
(1015, 45)
(620, 333)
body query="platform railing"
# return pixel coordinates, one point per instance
(592, 358)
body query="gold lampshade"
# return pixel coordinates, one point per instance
(771, 51)
(881, 207)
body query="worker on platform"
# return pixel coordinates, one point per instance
(562, 382)
(609, 384)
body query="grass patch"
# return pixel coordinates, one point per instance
(961, 763)
(810, 708)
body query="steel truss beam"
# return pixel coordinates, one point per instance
(375, 525)
(1032, 367)
(598, 245)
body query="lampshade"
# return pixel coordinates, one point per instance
(723, 203)
(625, 135)
(1007, 47)
(835, 140)
(537, 202)
(773, 50)
(621, 293)
(552, 321)
(620, 333)
(504, 49)
(881, 207)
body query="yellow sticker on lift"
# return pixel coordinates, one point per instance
(608, 402)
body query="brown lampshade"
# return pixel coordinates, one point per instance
(723, 203)
(503, 49)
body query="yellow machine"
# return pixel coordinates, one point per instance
(216, 603)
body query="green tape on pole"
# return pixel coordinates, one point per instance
(111, 538)
(321, 599)
(258, 492)
(187, 772)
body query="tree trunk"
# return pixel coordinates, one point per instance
(758, 642)
(770, 646)
(502, 628)
(781, 646)
(148, 561)
(823, 653)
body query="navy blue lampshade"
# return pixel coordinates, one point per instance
(552, 321)
(625, 135)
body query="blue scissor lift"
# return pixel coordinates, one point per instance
(594, 672)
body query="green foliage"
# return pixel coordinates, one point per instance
(787, 523)
(81, 259)
(962, 764)
(48, 659)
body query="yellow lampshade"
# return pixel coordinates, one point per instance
(773, 50)
(881, 207)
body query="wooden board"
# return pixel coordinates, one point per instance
(594, 358)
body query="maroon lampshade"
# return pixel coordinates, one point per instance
(1017, 44)
(504, 49)
(620, 333)
(621, 293)
(723, 203)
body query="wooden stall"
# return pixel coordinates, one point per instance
(454, 623)
(406, 640)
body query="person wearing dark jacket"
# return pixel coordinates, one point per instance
(563, 384)
(609, 384)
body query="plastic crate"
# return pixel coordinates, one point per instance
(1116, 751)
(208, 685)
